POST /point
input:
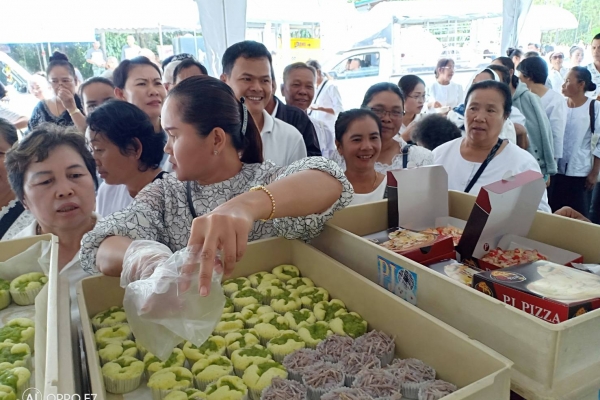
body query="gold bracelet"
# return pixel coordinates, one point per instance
(77, 110)
(268, 192)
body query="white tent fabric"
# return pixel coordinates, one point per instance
(514, 15)
(223, 24)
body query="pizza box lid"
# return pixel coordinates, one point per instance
(422, 196)
(504, 207)
(548, 280)
(554, 254)
(456, 271)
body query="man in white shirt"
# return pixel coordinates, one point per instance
(298, 88)
(594, 67)
(327, 104)
(247, 70)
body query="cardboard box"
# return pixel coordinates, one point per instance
(479, 372)
(424, 206)
(552, 253)
(552, 361)
(572, 293)
(53, 363)
(455, 270)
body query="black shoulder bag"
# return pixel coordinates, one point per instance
(405, 155)
(10, 217)
(484, 166)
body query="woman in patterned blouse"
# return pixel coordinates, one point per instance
(216, 150)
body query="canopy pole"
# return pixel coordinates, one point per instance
(49, 51)
(160, 35)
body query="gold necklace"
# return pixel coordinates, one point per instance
(374, 180)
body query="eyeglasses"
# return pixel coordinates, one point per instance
(64, 81)
(422, 97)
(381, 113)
(560, 56)
(448, 68)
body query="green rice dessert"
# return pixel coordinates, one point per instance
(299, 318)
(122, 375)
(153, 364)
(213, 345)
(269, 292)
(168, 379)
(227, 388)
(16, 378)
(112, 351)
(14, 355)
(299, 283)
(113, 316)
(243, 358)
(350, 324)
(245, 297)
(313, 295)
(286, 301)
(231, 286)
(285, 343)
(253, 312)
(228, 308)
(5, 299)
(188, 394)
(315, 333)
(141, 350)
(19, 330)
(328, 310)
(210, 369)
(286, 272)
(24, 288)
(257, 278)
(269, 326)
(259, 376)
(6, 393)
(241, 339)
(230, 322)
(113, 334)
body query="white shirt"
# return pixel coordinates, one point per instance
(282, 143)
(112, 198)
(596, 79)
(517, 116)
(375, 195)
(326, 137)
(450, 95)
(460, 171)
(556, 110)
(329, 97)
(577, 145)
(556, 80)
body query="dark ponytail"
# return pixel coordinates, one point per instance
(208, 103)
(584, 75)
(58, 59)
(511, 52)
(508, 63)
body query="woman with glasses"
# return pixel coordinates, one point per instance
(413, 89)
(65, 108)
(557, 74)
(444, 92)
(387, 102)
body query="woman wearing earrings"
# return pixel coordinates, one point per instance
(224, 195)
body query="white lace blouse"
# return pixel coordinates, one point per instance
(160, 211)
(20, 223)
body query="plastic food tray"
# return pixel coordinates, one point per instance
(479, 372)
(551, 361)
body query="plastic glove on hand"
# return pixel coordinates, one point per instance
(141, 259)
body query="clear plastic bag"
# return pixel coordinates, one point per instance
(162, 314)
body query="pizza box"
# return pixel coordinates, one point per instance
(552, 361)
(53, 371)
(543, 289)
(483, 374)
(504, 207)
(454, 270)
(552, 253)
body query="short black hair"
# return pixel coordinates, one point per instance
(187, 63)
(534, 68)
(381, 87)
(508, 63)
(584, 75)
(121, 73)
(408, 83)
(347, 117)
(597, 37)
(95, 79)
(512, 52)
(8, 132)
(531, 54)
(36, 147)
(434, 130)
(500, 87)
(246, 49)
(167, 61)
(122, 123)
